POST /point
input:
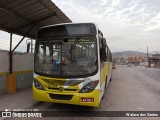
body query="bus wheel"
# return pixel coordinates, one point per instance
(110, 79)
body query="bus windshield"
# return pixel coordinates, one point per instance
(66, 57)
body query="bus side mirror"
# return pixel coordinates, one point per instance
(103, 54)
(103, 41)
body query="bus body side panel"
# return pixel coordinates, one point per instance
(109, 71)
(103, 75)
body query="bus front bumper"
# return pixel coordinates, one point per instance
(86, 99)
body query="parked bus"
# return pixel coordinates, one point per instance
(72, 64)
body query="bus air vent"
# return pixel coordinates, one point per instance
(60, 97)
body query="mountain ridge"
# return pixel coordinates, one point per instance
(128, 53)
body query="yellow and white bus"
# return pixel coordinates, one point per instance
(72, 64)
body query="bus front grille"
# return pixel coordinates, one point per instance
(70, 89)
(65, 89)
(60, 97)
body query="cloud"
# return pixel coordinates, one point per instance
(153, 25)
(122, 21)
(5, 42)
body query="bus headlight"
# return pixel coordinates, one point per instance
(89, 87)
(38, 85)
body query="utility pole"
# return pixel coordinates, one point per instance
(147, 56)
(147, 52)
(10, 55)
(31, 46)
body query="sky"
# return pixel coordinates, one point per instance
(128, 25)
(5, 42)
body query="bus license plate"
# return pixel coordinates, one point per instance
(52, 86)
(87, 99)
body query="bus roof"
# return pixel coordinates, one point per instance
(70, 24)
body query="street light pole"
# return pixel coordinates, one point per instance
(147, 52)
(147, 56)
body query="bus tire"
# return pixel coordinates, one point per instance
(110, 79)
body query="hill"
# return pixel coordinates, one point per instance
(155, 52)
(127, 53)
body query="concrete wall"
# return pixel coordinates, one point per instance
(22, 61)
(22, 67)
(4, 66)
(4, 61)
